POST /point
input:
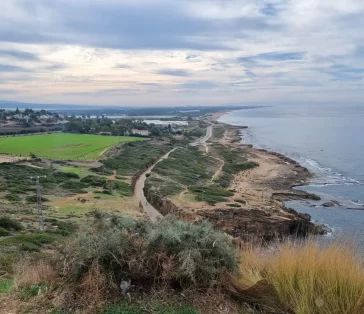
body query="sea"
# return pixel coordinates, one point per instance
(328, 139)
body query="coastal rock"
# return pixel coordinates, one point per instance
(295, 195)
(331, 204)
(258, 225)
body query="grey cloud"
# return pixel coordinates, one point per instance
(198, 85)
(125, 26)
(12, 68)
(173, 72)
(273, 56)
(22, 55)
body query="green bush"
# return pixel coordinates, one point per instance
(30, 242)
(94, 181)
(9, 224)
(64, 228)
(13, 198)
(75, 186)
(6, 285)
(66, 175)
(4, 232)
(210, 195)
(196, 255)
(121, 187)
(33, 199)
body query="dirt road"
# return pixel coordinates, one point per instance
(139, 185)
(139, 190)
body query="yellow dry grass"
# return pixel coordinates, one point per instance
(305, 278)
(28, 273)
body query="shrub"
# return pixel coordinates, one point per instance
(169, 251)
(66, 175)
(75, 186)
(13, 198)
(94, 181)
(121, 187)
(34, 199)
(6, 285)
(304, 278)
(4, 232)
(10, 224)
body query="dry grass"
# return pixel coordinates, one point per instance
(93, 285)
(28, 272)
(304, 278)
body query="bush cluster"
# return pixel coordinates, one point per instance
(171, 252)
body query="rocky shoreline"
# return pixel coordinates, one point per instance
(264, 215)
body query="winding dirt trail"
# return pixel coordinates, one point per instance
(140, 183)
(139, 190)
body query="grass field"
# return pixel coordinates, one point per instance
(62, 146)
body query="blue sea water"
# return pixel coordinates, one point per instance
(329, 141)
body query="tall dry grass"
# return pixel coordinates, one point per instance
(29, 272)
(304, 278)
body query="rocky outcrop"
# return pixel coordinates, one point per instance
(259, 225)
(331, 204)
(295, 195)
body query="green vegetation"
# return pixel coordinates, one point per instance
(197, 254)
(29, 292)
(210, 195)
(61, 146)
(134, 157)
(120, 187)
(10, 224)
(4, 232)
(6, 285)
(187, 166)
(234, 163)
(184, 167)
(28, 242)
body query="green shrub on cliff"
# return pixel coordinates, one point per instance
(171, 251)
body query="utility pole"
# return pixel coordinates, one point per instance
(39, 202)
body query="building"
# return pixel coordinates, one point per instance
(140, 132)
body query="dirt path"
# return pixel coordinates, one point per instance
(139, 185)
(139, 190)
(219, 170)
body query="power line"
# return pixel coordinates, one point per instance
(39, 202)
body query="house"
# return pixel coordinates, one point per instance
(140, 132)
(44, 117)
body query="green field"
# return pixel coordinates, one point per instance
(62, 146)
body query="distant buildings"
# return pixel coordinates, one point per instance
(140, 132)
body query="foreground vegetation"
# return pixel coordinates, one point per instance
(62, 146)
(125, 266)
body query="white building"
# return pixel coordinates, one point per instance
(140, 132)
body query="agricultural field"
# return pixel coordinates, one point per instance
(62, 146)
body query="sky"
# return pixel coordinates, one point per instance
(181, 52)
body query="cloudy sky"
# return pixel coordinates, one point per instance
(181, 52)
